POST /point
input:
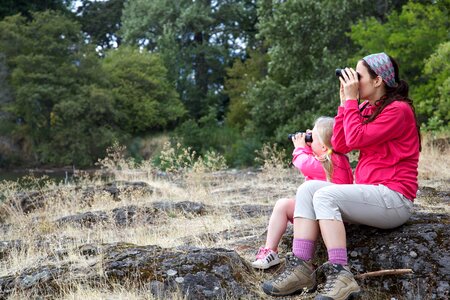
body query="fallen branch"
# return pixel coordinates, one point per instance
(384, 272)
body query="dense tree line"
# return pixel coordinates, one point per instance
(227, 75)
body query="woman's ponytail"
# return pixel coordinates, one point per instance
(401, 90)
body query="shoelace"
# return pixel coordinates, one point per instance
(290, 264)
(331, 274)
(262, 253)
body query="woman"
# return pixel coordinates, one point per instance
(386, 132)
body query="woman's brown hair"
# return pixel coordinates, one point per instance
(398, 93)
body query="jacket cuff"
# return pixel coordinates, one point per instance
(352, 103)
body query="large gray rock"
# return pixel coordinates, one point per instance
(422, 244)
(196, 273)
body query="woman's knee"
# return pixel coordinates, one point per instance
(307, 187)
(326, 205)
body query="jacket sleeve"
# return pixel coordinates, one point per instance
(304, 160)
(385, 127)
(338, 138)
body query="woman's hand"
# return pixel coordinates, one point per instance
(349, 85)
(341, 94)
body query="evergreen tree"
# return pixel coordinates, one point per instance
(196, 39)
(61, 109)
(26, 7)
(101, 21)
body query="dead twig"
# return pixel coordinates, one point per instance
(384, 272)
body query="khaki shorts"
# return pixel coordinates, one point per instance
(373, 205)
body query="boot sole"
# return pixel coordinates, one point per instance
(271, 292)
(352, 295)
(266, 267)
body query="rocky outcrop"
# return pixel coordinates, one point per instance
(197, 273)
(132, 214)
(183, 207)
(422, 245)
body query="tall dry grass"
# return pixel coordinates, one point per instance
(434, 162)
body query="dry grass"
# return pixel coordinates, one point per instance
(220, 191)
(434, 163)
(84, 292)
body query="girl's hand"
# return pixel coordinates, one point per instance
(350, 83)
(299, 140)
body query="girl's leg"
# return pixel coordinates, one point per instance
(283, 211)
(299, 272)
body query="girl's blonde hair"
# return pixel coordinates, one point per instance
(324, 128)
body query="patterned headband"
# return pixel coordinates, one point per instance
(381, 64)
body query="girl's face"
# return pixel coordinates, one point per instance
(317, 147)
(367, 85)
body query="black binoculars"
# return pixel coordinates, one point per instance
(338, 73)
(308, 136)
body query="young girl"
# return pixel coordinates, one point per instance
(316, 161)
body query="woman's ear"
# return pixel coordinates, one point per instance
(377, 81)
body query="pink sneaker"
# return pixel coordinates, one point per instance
(265, 258)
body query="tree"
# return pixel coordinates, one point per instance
(62, 110)
(101, 21)
(42, 56)
(241, 78)
(197, 41)
(306, 41)
(435, 93)
(26, 7)
(139, 84)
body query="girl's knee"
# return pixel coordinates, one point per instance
(284, 204)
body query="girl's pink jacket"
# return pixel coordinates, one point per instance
(303, 158)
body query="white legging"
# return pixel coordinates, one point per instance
(373, 205)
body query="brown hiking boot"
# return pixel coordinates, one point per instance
(340, 284)
(298, 275)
